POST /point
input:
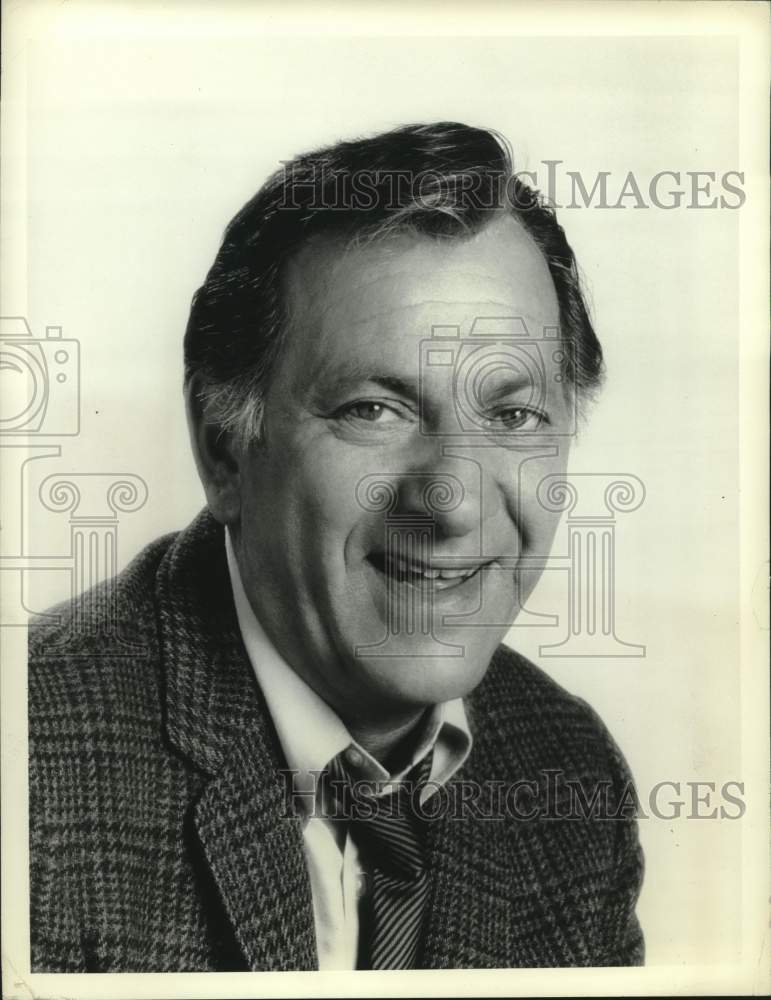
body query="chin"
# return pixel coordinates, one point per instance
(420, 679)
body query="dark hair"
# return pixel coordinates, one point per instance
(443, 180)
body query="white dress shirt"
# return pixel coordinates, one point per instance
(311, 735)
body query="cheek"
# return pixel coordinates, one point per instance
(326, 491)
(307, 498)
(530, 507)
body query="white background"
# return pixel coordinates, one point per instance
(140, 149)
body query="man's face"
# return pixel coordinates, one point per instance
(384, 511)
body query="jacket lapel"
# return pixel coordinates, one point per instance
(496, 900)
(217, 717)
(470, 909)
(254, 848)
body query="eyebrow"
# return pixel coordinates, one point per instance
(508, 386)
(410, 388)
(404, 386)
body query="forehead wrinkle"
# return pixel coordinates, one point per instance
(483, 309)
(479, 308)
(317, 294)
(328, 298)
(358, 282)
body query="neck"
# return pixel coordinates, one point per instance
(390, 745)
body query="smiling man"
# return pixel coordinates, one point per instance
(383, 365)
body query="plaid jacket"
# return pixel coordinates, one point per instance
(160, 834)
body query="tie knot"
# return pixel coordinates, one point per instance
(384, 825)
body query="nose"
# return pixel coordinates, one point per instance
(451, 489)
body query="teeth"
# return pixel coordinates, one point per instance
(434, 574)
(451, 574)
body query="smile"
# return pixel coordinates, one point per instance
(436, 575)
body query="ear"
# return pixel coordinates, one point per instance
(217, 458)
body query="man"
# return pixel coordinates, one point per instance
(383, 369)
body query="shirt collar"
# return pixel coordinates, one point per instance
(311, 733)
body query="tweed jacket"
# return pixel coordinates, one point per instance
(161, 838)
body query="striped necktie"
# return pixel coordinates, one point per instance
(390, 838)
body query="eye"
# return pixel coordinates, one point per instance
(517, 418)
(369, 411)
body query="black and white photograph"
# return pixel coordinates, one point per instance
(384, 451)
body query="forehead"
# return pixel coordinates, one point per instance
(375, 303)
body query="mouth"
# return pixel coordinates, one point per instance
(437, 575)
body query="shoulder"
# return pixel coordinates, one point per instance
(93, 661)
(520, 711)
(87, 624)
(107, 792)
